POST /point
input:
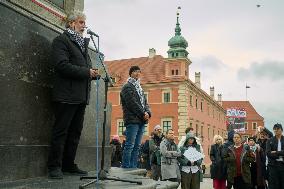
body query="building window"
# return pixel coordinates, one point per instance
(190, 125)
(121, 127)
(196, 130)
(254, 126)
(176, 54)
(213, 133)
(190, 100)
(208, 109)
(208, 134)
(166, 124)
(201, 132)
(176, 72)
(213, 113)
(146, 130)
(173, 72)
(246, 125)
(196, 103)
(166, 96)
(146, 96)
(201, 106)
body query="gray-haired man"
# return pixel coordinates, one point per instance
(71, 92)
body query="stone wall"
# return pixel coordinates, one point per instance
(26, 114)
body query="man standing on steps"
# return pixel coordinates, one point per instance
(136, 113)
(71, 93)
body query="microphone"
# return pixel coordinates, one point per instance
(90, 32)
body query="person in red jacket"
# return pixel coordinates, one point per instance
(238, 158)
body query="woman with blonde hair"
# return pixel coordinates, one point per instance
(218, 168)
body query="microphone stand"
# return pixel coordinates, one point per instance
(103, 173)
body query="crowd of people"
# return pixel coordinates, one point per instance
(255, 163)
(252, 163)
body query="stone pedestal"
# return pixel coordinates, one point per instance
(26, 116)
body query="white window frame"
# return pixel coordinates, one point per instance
(255, 125)
(146, 130)
(118, 128)
(147, 95)
(246, 125)
(168, 119)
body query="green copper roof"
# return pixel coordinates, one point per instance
(177, 43)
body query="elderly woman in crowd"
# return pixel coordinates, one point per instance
(218, 168)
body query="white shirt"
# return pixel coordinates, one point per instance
(188, 169)
(279, 149)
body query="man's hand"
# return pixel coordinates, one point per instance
(94, 73)
(146, 116)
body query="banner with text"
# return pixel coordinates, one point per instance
(236, 119)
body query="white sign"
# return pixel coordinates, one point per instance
(192, 154)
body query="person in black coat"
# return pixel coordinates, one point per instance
(218, 168)
(136, 113)
(275, 154)
(70, 95)
(116, 155)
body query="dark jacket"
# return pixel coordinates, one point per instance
(133, 111)
(272, 145)
(246, 158)
(154, 148)
(116, 155)
(72, 82)
(183, 160)
(258, 168)
(218, 167)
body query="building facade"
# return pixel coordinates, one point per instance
(176, 102)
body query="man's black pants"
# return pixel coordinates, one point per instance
(66, 134)
(276, 176)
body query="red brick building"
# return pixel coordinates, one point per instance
(252, 120)
(176, 102)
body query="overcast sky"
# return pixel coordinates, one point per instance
(231, 42)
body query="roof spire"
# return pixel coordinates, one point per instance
(177, 29)
(177, 43)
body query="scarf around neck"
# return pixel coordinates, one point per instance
(79, 39)
(138, 88)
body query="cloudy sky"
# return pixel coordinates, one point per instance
(231, 42)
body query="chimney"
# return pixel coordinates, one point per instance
(152, 52)
(197, 79)
(212, 95)
(220, 99)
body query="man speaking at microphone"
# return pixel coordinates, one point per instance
(71, 93)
